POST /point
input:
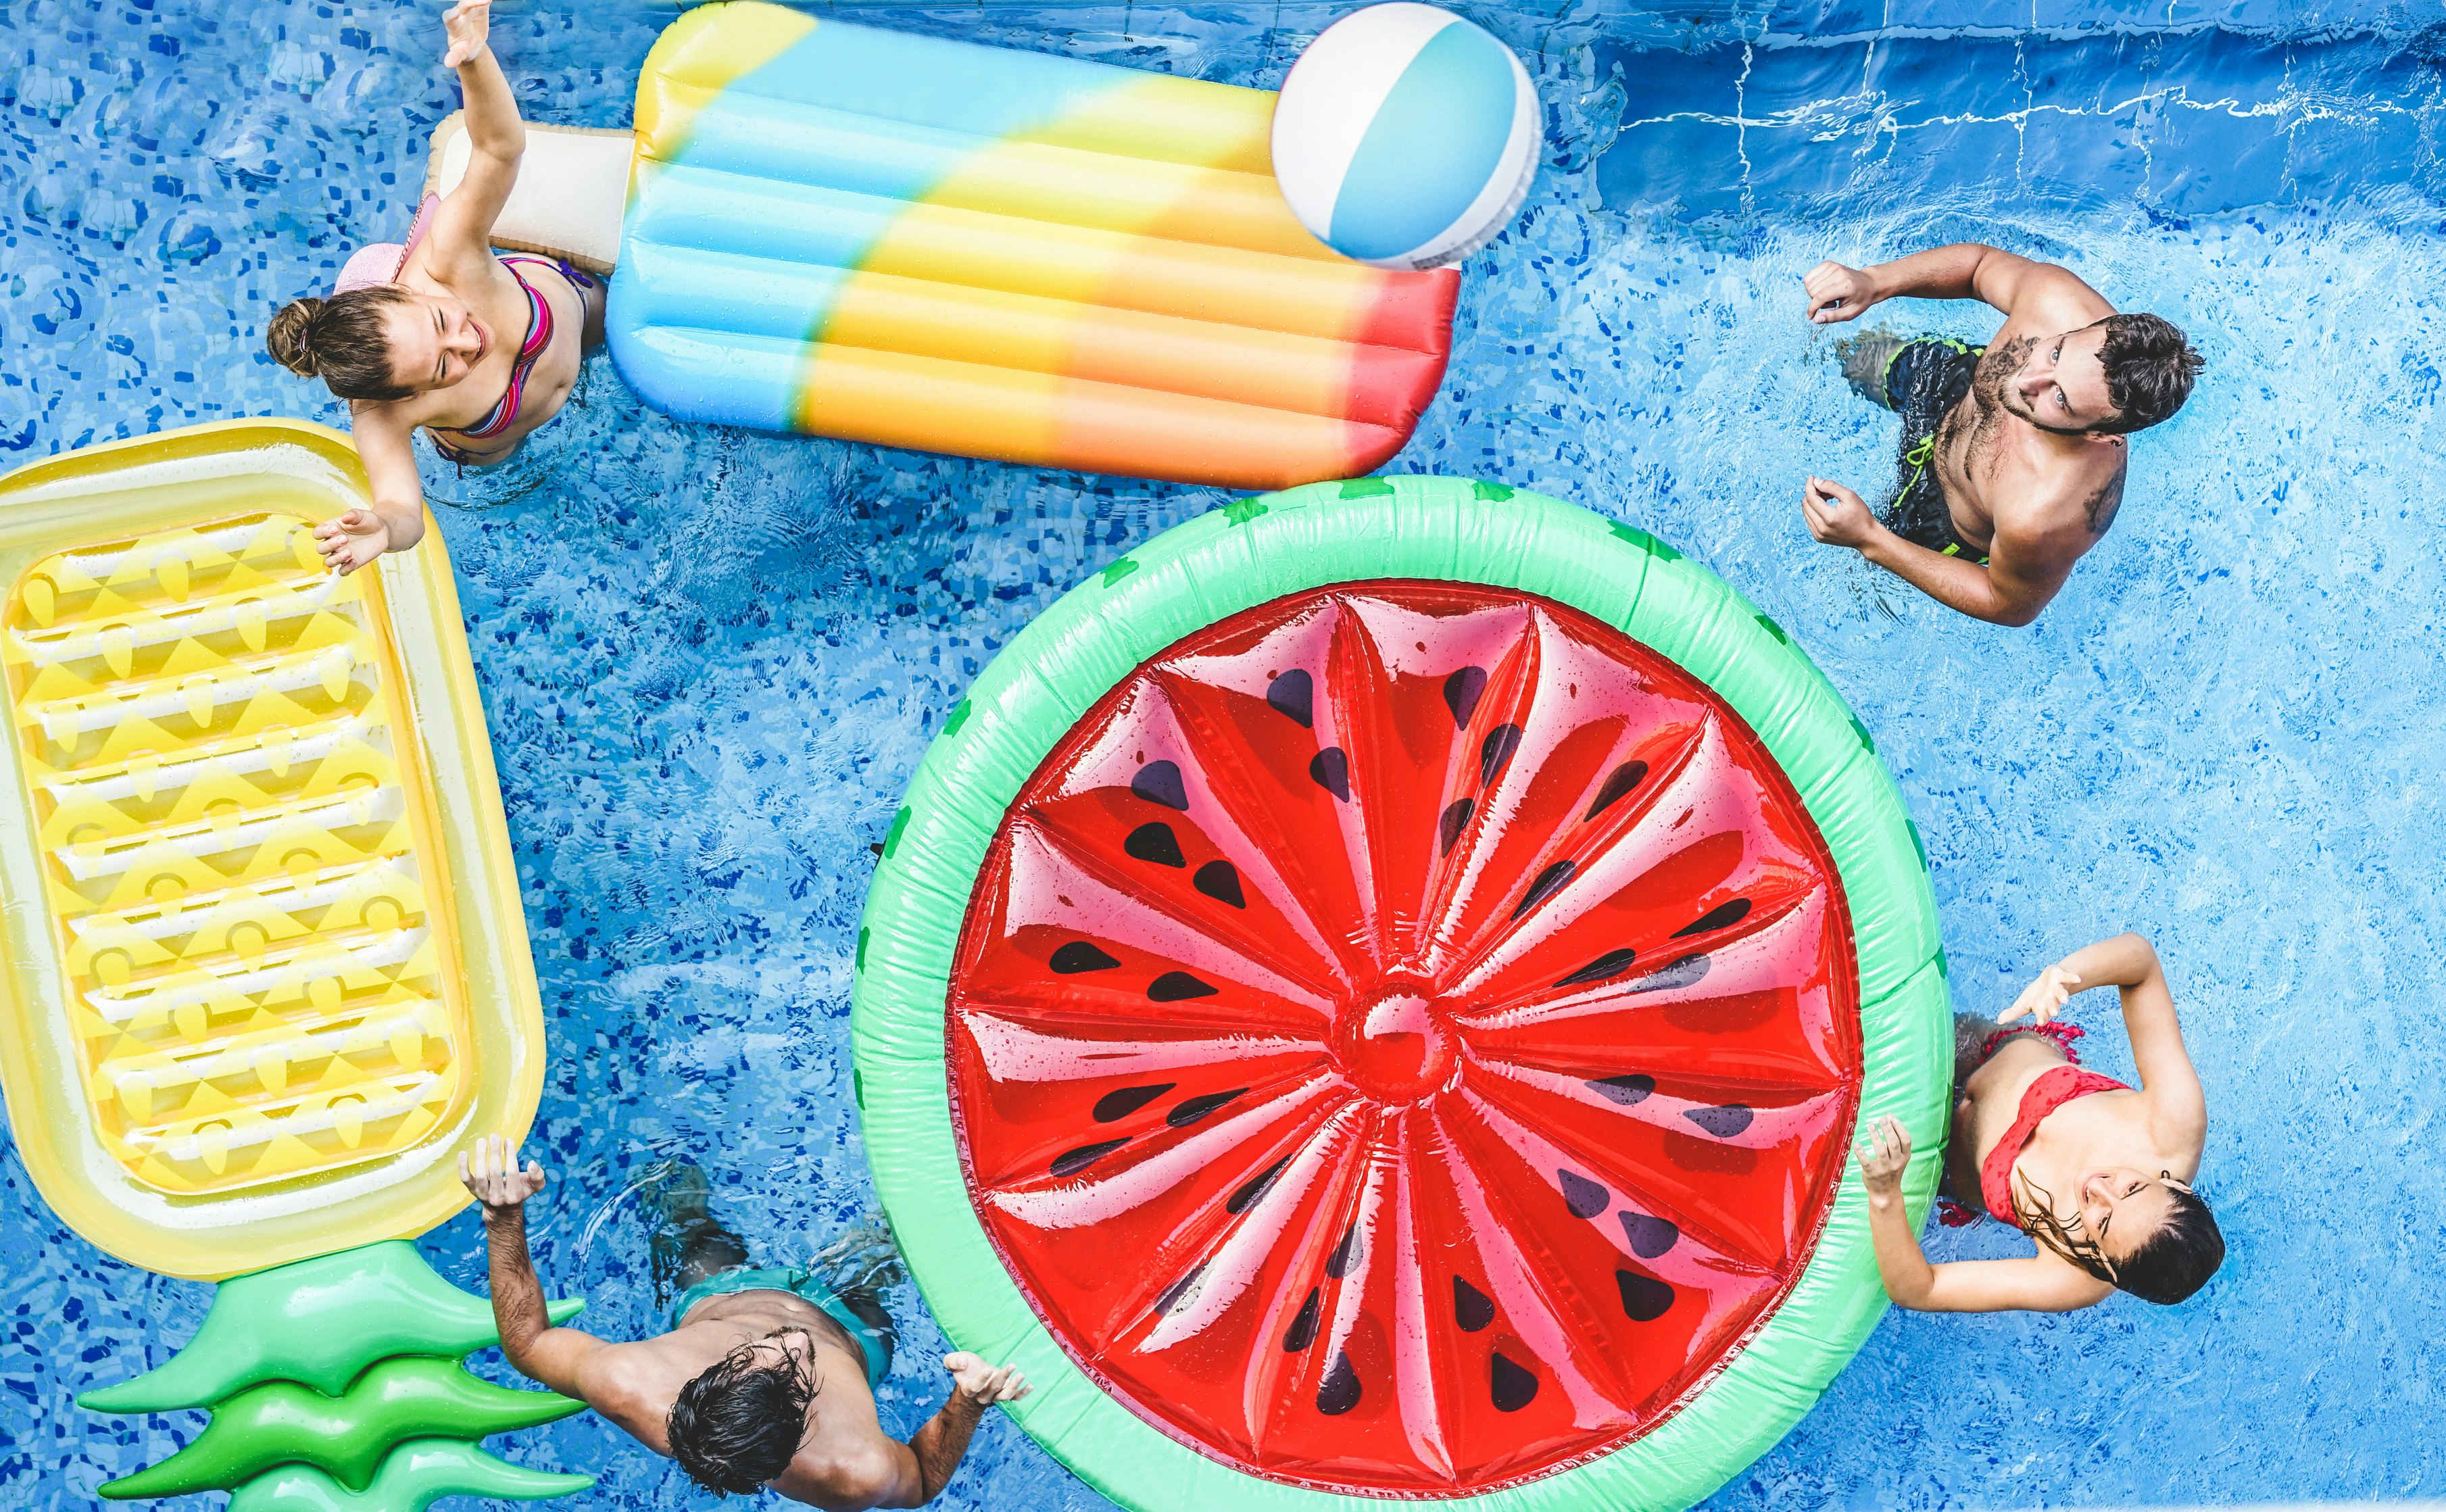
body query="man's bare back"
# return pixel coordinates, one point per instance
(769, 1389)
(2030, 462)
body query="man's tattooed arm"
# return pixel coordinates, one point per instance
(2103, 504)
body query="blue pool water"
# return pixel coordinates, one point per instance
(711, 659)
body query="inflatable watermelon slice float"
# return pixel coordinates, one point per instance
(1397, 1032)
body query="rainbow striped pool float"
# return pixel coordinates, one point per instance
(913, 242)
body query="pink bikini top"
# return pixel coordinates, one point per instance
(385, 261)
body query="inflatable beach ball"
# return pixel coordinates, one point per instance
(1406, 136)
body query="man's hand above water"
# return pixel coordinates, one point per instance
(1837, 293)
(1836, 516)
(491, 1171)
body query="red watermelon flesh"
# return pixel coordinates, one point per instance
(1403, 1040)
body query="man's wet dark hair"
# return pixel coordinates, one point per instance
(737, 1426)
(2150, 365)
(2178, 1257)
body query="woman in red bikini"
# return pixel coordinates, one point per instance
(440, 333)
(2097, 1172)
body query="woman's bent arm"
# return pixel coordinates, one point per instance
(2039, 1284)
(2177, 1104)
(2042, 1284)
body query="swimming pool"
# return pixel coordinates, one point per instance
(711, 658)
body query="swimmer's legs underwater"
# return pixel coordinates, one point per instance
(690, 1247)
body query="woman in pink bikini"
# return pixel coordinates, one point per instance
(479, 350)
(2097, 1172)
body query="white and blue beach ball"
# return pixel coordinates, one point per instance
(1406, 136)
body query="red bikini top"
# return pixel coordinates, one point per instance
(2052, 1090)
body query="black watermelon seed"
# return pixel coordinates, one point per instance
(1472, 1309)
(1625, 1089)
(1128, 1100)
(1345, 1254)
(1080, 956)
(1178, 1291)
(1159, 783)
(1174, 985)
(1220, 881)
(1330, 769)
(1543, 888)
(1192, 1108)
(1339, 1391)
(1604, 969)
(1624, 781)
(1731, 913)
(1494, 751)
(1303, 1329)
(1724, 1123)
(1254, 1187)
(1456, 819)
(1643, 1298)
(1515, 1388)
(1156, 843)
(1293, 695)
(1070, 1162)
(1585, 1199)
(1462, 690)
(1649, 1235)
(1676, 973)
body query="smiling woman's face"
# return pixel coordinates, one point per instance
(434, 342)
(2122, 1206)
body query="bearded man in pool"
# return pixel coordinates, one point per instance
(2013, 454)
(765, 1380)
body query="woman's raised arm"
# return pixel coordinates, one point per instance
(2179, 1109)
(459, 242)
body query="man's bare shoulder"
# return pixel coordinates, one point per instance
(2048, 300)
(849, 1470)
(2067, 507)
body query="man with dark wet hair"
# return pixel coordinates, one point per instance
(766, 1379)
(2013, 454)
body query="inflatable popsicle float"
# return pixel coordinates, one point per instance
(887, 237)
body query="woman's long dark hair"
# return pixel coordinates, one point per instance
(739, 1424)
(339, 340)
(2176, 1260)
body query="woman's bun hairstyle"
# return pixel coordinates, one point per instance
(287, 340)
(339, 340)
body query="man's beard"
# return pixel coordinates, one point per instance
(2010, 397)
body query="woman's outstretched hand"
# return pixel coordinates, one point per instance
(468, 22)
(2044, 998)
(1884, 1154)
(352, 540)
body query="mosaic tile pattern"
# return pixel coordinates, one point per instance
(712, 659)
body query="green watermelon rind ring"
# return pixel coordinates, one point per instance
(1252, 552)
